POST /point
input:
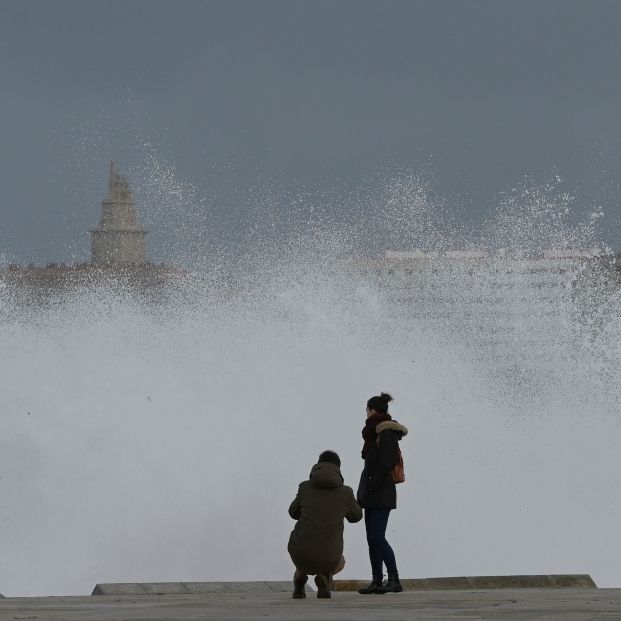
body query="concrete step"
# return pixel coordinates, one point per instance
(567, 581)
(561, 581)
(191, 588)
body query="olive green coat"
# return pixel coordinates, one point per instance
(321, 505)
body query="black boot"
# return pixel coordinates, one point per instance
(299, 592)
(374, 587)
(392, 585)
(331, 584)
(323, 592)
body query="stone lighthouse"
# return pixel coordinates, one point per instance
(118, 240)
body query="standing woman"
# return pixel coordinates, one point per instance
(377, 493)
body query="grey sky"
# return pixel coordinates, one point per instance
(321, 95)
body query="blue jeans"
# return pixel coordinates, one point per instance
(380, 552)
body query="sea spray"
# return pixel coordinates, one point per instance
(154, 440)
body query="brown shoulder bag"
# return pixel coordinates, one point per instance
(397, 472)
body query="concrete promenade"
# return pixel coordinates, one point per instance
(493, 604)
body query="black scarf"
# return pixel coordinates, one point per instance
(368, 431)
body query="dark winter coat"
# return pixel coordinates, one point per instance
(377, 489)
(321, 504)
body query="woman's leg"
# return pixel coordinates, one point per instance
(380, 551)
(375, 555)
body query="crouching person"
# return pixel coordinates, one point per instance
(316, 542)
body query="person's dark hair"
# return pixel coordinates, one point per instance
(380, 403)
(331, 457)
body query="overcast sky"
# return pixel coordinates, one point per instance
(325, 97)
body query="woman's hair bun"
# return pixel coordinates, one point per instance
(379, 403)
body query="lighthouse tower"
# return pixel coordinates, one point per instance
(118, 240)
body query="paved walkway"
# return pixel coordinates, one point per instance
(490, 605)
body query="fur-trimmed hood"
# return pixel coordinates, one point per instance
(392, 425)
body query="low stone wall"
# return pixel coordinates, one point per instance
(460, 583)
(565, 581)
(189, 588)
